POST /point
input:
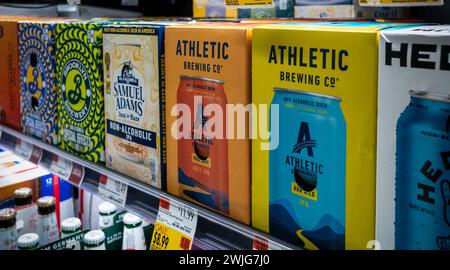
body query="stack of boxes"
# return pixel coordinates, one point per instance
(323, 98)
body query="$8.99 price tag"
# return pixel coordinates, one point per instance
(175, 226)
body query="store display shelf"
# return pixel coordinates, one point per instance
(214, 231)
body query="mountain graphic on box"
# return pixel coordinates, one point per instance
(328, 233)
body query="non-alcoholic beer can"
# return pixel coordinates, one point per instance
(422, 185)
(307, 184)
(203, 156)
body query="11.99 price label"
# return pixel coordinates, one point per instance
(175, 226)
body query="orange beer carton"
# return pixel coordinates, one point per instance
(207, 80)
(9, 72)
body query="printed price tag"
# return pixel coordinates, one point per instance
(23, 149)
(248, 3)
(113, 190)
(174, 227)
(28, 151)
(67, 170)
(261, 243)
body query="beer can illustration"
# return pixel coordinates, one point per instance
(422, 184)
(215, 9)
(307, 170)
(202, 158)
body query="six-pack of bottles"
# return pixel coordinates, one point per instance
(328, 135)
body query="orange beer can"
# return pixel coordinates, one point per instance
(203, 157)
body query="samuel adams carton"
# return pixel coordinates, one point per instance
(313, 185)
(9, 76)
(413, 175)
(134, 101)
(38, 81)
(208, 68)
(80, 103)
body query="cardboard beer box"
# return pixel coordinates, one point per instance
(213, 9)
(9, 76)
(134, 101)
(279, 9)
(313, 175)
(413, 171)
(350, 12)
(38, 80)
(208, 156)
(322, 2)
(404, 3)
(81, 114)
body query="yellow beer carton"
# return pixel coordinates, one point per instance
(208, 161)
(313, 168)
(213, 9)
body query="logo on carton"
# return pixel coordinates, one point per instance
(421, 56)
(128, 93)
(309, 58)
(305, 171)
(35, 83)
(77, 90)
(203, 51)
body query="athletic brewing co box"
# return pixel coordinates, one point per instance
(413, 173)
(38, 82)
(208, 67)
(314, 184)
(79, 62)
(9, 77)
(134, 101)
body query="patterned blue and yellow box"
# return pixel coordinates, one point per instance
(38, 83)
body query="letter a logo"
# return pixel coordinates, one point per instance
(304, 140)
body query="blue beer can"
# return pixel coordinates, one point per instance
(422, 186)
(307, 170)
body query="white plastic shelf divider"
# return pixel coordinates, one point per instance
(214, 231)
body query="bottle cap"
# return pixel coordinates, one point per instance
(7, 214)
(46, 205)
(47, 201)
(106, 209)
(7, 218)
(28, 241)
(23, 193)
(130, 220)
(94, 238)
(70, 225)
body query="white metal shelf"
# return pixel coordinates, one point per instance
(214, 231)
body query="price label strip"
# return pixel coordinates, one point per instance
(174, 227)
(261, 243)
(28, 151)
(113, 190)
(67, 170)
(249, 3)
